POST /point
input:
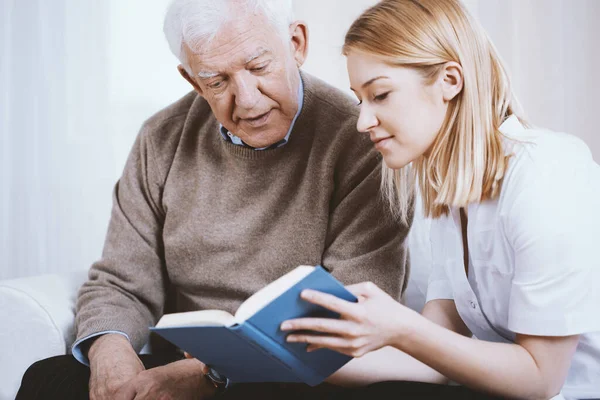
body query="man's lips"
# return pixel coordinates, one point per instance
(257, 120)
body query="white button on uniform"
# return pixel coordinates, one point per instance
(473, 305)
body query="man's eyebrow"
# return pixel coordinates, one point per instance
(207, 74)
(210, 74)
(370, 81)
(259, 53)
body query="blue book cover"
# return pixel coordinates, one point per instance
(250, 347)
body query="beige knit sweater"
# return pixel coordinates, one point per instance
(210, 222)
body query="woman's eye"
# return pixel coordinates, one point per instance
(381, 97)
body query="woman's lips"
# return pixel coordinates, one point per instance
(381, 143)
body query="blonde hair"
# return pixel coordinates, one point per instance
(466, 162)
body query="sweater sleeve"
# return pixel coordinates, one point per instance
(364, 242)
(125, 290)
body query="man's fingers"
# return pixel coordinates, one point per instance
(126, 392)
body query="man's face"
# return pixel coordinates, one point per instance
(249, 76)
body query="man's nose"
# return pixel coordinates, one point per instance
(366, 119)
(247, 93)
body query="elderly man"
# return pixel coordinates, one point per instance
(260, 169)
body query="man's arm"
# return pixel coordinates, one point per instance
(80, 347)
(125, 291)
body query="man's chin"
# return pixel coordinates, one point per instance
(261, 137)
(259, 143)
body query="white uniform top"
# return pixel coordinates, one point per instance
(534, 253)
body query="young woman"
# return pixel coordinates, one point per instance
(512, 307)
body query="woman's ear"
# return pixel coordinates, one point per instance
(452, 81)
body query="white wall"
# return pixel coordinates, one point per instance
(77, 79)
(552, 49)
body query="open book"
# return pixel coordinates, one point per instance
(249, 346)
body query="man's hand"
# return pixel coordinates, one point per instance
(113, 362)
(181, 380)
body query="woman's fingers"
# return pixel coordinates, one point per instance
(363, 289)
(328, 301)
(324, 325)
(354, 347)
(322, 341)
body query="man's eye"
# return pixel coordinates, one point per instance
(381, 97)
(259, 69)
(216, 85)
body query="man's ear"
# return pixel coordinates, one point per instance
(299, 35)
(188, 78)
(452, 81)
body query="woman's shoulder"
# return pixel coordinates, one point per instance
(546, 165)
(539, 152)
(550, 190)
(544, 145)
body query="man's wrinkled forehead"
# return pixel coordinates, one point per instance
(237, 42)
(206, 70)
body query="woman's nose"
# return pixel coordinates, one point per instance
(366, 119)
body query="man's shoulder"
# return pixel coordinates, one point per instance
(329, 97)
(170, 120)
(334, 114)
(165, 128)
(164, 131)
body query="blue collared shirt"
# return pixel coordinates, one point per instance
(77, 348)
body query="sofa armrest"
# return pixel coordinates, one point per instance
(37, 322)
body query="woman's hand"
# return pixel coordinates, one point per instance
(376, 321)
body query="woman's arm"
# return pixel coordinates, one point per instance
(535, 367)
(385, 364)
(391, 364)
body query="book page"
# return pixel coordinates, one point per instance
(197, 318)
(270, 292)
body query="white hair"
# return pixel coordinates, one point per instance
(196, 22)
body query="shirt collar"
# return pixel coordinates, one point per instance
(236, 140)
(511, 126)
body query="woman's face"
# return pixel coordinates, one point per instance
(399, 111)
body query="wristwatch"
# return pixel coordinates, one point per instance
(220, 382)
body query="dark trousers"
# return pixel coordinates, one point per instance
(64, 378)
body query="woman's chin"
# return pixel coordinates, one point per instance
(395, 162)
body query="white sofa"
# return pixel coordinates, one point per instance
(36, 322)
(37, 313)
